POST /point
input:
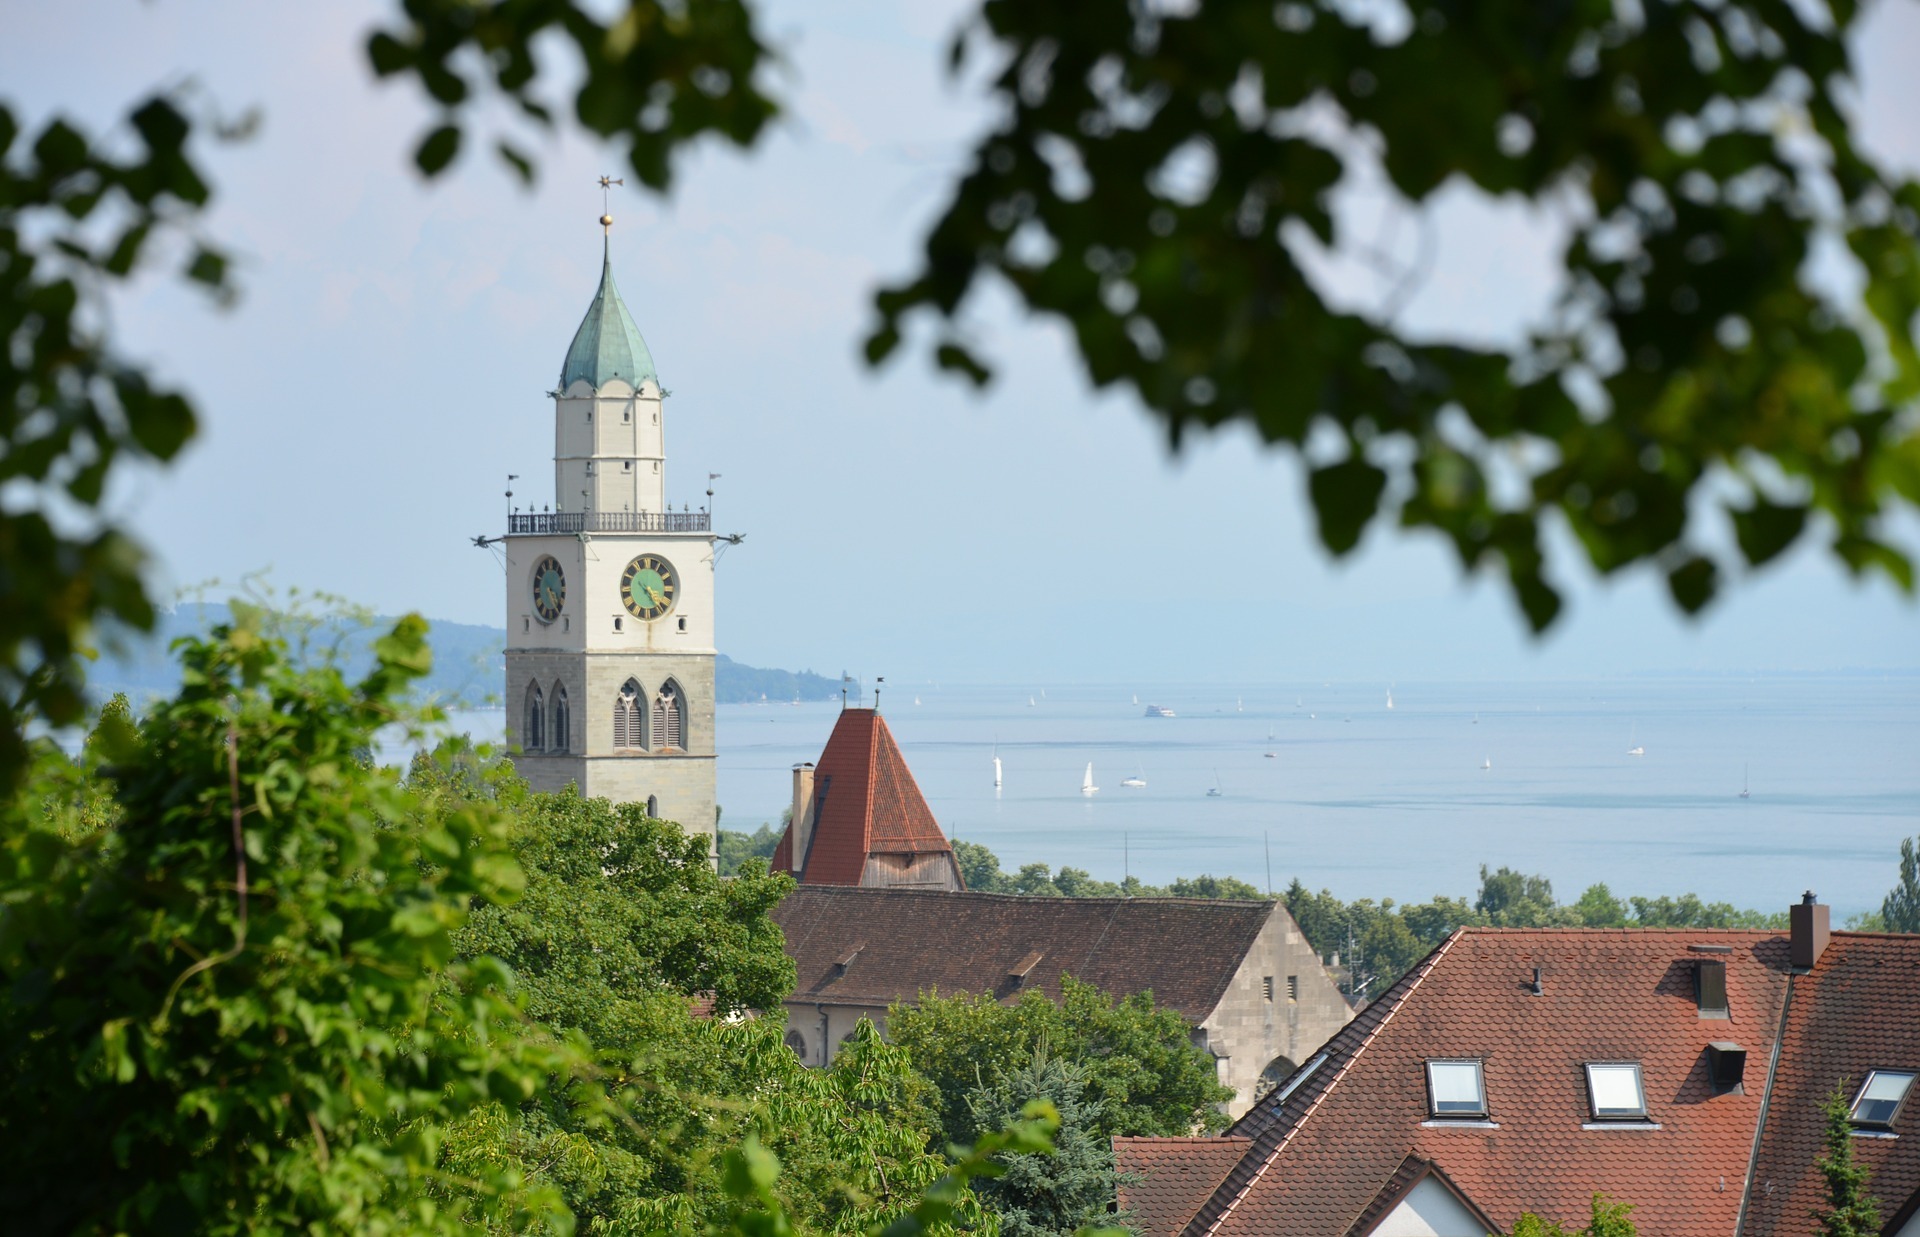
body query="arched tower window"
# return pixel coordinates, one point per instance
(533, 733)
(562, 739)
(653, 808)
(669, 725)
(797, 1043)
(629, 733)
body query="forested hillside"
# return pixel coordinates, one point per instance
(468, 671)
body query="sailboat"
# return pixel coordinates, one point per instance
(1636, 749)
(1271, 754)
(1032, 703)
(1486, 764)
(916, 700)
(1213, 791)
(1744, 792)
(996, 768)
(1136, 782)
(1389, 697)
(1086, 783)
(1239, 706)
(1476, 717)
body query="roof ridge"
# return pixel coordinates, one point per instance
(873, 784)
(1426, 968)
(870, 890)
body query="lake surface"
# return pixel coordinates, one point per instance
(1373, 802)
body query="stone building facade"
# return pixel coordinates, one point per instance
(1241, 973)
(610, 594)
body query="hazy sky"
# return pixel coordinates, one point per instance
(387, 368)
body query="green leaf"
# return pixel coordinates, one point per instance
(438, 150)
(1345, 497)
(521, 165)
(1765, 529)
(1692, 583)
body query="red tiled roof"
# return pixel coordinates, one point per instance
(908, 941)
(1412, 1171)
(1857, 1010)
(1185, 1172)
(1324, 1144)
(865, 803)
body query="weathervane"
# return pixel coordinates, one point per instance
(606, 204)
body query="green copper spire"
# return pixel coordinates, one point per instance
(608, 344)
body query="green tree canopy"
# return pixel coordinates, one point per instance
(1900, 912)
(236, 1006)
(1850, 1210)
(1046, 1195)
(1161, 182)
(1146, 1076)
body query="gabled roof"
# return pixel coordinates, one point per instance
(1183, 950)
(1322, 1145)
(1400, 1186)
(1185, 1170)
(1857, 1010)
(865, 802)
(608, 344)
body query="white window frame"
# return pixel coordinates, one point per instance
(1480, 1086)
(1616, 1114)
(1860, 1097)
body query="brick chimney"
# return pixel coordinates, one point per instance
(1809, 924)
(802, 815)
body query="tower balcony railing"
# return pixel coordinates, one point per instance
(534, 522)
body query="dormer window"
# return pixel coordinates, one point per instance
(1456, 1089)
(1881, 1097)
(1615, 1091)
(1710, 988)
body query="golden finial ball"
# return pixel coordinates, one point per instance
(606, 221)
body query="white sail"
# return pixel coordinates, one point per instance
(1389, 697)
(1086, 783)
(996, 770)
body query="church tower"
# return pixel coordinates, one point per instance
(610, 637)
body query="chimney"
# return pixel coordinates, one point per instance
(1808, 928)
(802, 815)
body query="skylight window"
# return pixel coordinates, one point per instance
(1615, 1091)
(1456, 1089)
(1882, 1096)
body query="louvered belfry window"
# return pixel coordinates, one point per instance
(668, 728)
(628, 733)
(533, 734)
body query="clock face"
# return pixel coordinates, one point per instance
(549, 588)
(647, 588)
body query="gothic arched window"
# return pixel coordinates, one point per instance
(669, 726)
(533, 734)
(629, 733)
(653, 808)
(562, 739)
(797, 1043)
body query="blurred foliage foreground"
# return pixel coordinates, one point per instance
(251, 982)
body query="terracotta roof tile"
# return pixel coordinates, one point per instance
(1323, 1145)
(1184, 950)
(865, 802)
(1858, 1010)
(1162, 1180)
